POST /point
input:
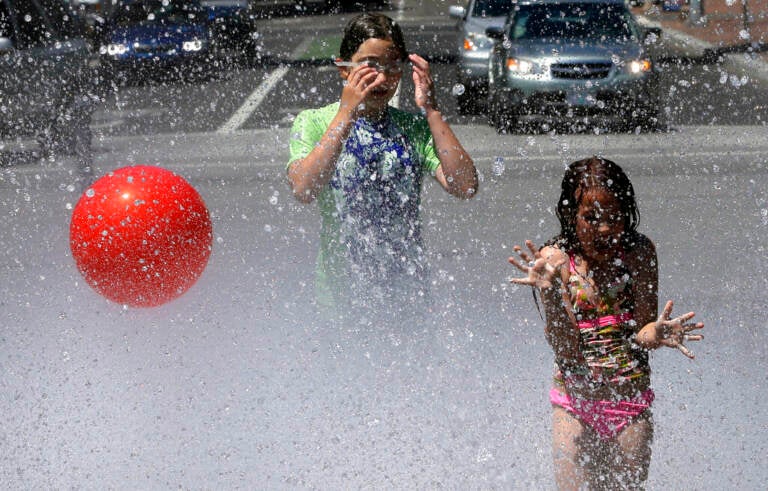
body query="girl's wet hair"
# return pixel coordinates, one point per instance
(591, 174)
(371, 26)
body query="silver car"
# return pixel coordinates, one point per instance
(578, 61)
(473, 48)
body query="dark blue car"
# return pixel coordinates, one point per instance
(152, 35)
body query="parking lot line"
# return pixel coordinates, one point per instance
(254, 100)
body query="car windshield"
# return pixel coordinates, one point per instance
(491, 8)
(163, 12)
(572, 21)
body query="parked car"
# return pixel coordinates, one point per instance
(572, 60)
(233, 29)
(46, 76)
(473, 48)
(152, 37)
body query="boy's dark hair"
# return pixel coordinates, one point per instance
(595, 173)
(367, 26)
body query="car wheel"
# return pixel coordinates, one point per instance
(301, 6)
(647, 118)
(659, 117)
(473, 99)
(467, 104)
(500, 117)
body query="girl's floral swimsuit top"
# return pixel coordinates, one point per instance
(606, 329)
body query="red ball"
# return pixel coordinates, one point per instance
(141, 236)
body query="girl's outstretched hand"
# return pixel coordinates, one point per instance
(422, 81)
(673, 333)
(541, 272)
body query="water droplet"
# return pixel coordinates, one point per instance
(458, 89)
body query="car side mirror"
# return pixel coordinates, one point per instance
(651, 34)
(495, 33)
(457, 11)
(6, 44)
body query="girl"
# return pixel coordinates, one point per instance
(364, 161)
(598, 282)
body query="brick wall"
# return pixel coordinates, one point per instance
(732, 19)
(734, 8)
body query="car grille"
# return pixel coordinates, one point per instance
(581, 71)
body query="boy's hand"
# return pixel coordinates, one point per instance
(360, 81)
(424, 94)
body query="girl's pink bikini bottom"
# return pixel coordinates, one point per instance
(607, 418)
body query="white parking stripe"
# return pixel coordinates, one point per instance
(257, 96)
(253, 101)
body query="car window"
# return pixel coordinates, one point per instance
(491, 8)
(33, 26)
(572, 21)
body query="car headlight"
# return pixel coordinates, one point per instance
(520, 66)
(114, 49)
(636, 67)
(194, 45)
(473, 42)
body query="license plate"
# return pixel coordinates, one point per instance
(580, 99)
